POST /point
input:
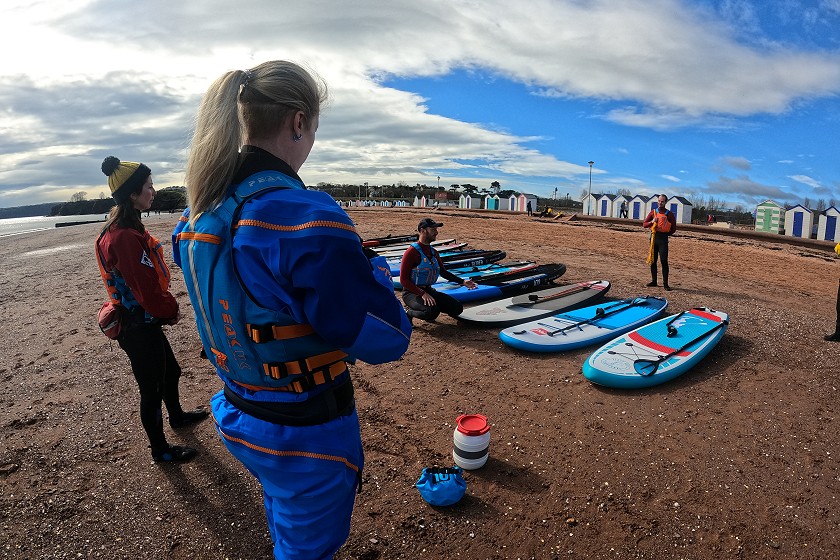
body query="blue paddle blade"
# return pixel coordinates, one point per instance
(646, 367)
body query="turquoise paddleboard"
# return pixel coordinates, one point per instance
(657, 352)
(586, 326)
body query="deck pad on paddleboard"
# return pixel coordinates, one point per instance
(657, 352)
(522, 308)
(584, 326)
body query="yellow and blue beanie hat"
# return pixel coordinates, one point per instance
(124, 177)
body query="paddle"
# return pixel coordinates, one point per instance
(600, 313)
(648, 367)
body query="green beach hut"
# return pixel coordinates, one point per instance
(769, 217)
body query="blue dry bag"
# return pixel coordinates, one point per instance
(441, 486)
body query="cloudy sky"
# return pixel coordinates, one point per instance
(736, 100)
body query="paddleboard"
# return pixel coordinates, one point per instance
(403, 246)
(472, 257)
(539, 276)
(657, 352)
(448, 247)
(585, 326)
(389, 240)
(481, 271)
(542, 303)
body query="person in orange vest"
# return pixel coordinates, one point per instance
(835, 336)
(662, 225)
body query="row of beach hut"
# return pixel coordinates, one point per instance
(797, 221)
(770, 216)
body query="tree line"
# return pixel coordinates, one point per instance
(169, 199)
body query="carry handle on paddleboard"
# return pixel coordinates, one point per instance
(647, 368)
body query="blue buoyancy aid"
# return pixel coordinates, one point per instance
(253, 348)
(426, 273)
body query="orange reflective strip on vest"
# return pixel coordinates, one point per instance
(307, 225)
(194, 236)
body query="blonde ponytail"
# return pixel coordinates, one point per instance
(214, 152)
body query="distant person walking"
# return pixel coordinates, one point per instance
(835, 336)
(137, 278)
(529, 209)
(662, 225)
(420, 268)
(622, 213)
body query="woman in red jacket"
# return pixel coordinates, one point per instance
(137, 278)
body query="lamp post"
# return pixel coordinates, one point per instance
(438, 182)
(555, 196)
(589, 202)
(366, 190)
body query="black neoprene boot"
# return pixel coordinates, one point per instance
(833, 337)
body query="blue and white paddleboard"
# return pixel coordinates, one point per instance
(481, 271)
(535, 305)
(657, 352)
(540, 276)
(586, 326)
(451, 245)
(470, 257)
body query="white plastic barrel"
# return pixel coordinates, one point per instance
(472, 441)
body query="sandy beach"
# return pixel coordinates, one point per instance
(736, 459)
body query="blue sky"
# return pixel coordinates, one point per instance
(732, 100)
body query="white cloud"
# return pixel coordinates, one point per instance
(95, 77)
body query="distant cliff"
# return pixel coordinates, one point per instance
(26, 211)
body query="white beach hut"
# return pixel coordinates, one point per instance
(681, 208)
(604, 205)
(799, 221)
(491, 202)
(768, 217)
(590, 201)
(638, 207)
(467, 200)
(827, 229)
(617, 202)
(512, 201)
(522, 200)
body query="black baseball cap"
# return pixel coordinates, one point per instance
(427, 222)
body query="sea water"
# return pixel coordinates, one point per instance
(30, 224)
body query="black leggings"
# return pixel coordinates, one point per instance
(443, 304)
(660, 250)
(838, 307)
(157, 373)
